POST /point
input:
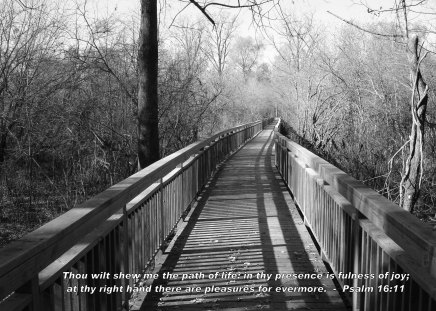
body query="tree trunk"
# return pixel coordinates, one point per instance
(148, 132)
(3, 138)
(412, 171)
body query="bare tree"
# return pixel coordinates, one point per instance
(217, 49)
(185, 95)
(412, 173)
(28, 38)
(296, 40)
(246, 54)
(413, 166)
(148, 130)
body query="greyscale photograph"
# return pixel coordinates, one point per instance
(229, 155)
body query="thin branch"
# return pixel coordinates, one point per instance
(238, 6)
(370, 10)
(178, 13)
(424, 13)
(405, 17)
(390, 164)
(250, 4)
(202, 9)
(366, 30)
(25, 6)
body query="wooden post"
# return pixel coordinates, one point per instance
(125, 257)
(182, 189)
(32, 288)
(161, 212)
(356, 261)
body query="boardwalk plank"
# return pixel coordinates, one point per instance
(245, 225)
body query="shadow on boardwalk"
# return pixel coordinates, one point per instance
(245, 225)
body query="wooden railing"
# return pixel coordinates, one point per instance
(361, 232)
(119, 230)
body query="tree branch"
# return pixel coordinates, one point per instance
(370, 10)
(203, 10)
(25, 6)
(178, 13)
(238, 6)
(250, 4)
(366, 30)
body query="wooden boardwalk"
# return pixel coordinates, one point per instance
(246, 226)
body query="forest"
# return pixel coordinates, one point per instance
(346, 90)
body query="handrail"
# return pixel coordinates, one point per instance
(107, 225)
(358, 230)
(278, 125)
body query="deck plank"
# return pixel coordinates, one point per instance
(245, 224)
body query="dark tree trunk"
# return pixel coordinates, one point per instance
(148, 133)
(4, 129)
(3, 137)
(412, 172)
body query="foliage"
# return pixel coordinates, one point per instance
(68, 104)
(350, 102)
(69, 85)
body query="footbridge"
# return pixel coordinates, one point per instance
(244, 220)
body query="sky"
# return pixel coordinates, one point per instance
(346, 8)
(355, 10)
(349, 9)
(173, 12)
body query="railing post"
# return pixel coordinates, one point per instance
(161, 211)
(357, 253)
(181, 200)
(125, 257)
(32, 288)
(283, 158)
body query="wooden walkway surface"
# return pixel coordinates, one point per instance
(247, 226)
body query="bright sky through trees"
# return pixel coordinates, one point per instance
(349, 9)
(175, 12)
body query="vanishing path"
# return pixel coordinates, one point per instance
(247, 226)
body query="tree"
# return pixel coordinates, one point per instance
(412, 173)
(413, 166)
(148, 130)
(185, 96)
(246, 54)
(218, 48)
(297, 41)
